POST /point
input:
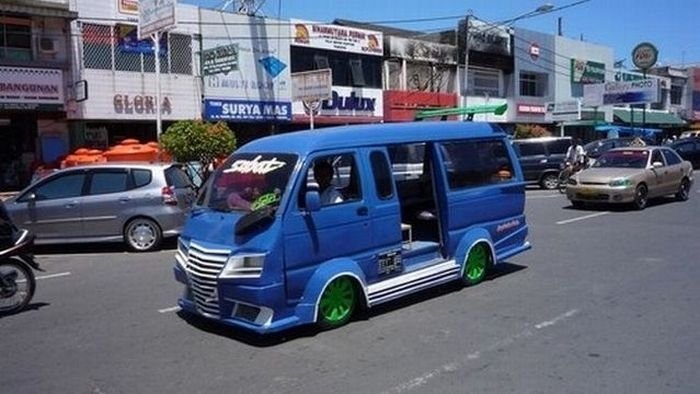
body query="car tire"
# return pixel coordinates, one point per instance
(683, 190)
(476, 264)
(641, 197)
(142, 235)
(549, 181)
(337, 303)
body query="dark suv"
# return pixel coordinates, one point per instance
(541, 159)
(598, 147)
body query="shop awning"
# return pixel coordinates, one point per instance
(38, 7)
(658, 118)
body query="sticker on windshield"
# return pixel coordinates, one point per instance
(255, 166)
(265, 200)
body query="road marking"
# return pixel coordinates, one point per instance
(171, 309)
(53, 275)
(456, 365)
(552, 196)
(95, 254)
(593, 215)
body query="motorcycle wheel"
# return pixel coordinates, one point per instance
(17, 285)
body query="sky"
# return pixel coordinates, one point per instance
(671, 25)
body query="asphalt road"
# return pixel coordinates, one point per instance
(606, 301)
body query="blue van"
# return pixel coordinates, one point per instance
(308, 227)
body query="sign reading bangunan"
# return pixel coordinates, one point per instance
(31, 86)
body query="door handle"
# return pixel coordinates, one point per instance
(71, 204)
(362, 211)
(124, 199)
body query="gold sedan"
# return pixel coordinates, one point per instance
(632, 175)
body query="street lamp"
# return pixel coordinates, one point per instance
(544, 8)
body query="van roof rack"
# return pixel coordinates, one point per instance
(444, 113)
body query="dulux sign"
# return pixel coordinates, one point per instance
(247, 110)
(610, 93)
(348, 102)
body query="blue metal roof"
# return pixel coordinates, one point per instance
(370, 134)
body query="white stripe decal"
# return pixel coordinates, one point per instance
(412, 276)
(593, 215)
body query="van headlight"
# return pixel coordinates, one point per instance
(244, 266)
(620, 182)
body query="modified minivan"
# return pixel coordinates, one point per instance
(309, 227)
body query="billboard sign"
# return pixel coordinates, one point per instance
(220, 60)
(128, 7)
(563, 111)
(420, 50)
(30, 88)
(250, 111)
(155, 16)
(587, 71)
(244, 65)
(645, 55)
(611, 93)
(363, 105)
(487, 37)
(312, 85)
(337, 38)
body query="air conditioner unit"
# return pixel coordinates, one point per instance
(47, 45)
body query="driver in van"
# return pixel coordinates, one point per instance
(323, 174)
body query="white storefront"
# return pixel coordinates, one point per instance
(117, 98)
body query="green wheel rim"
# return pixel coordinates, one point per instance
(475, 270)
(337, 301)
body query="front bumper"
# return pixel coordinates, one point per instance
(600, 193)
(249, 307)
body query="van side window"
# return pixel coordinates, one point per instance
(383, 180)
(476, 163)
(558, 147)
(531, 149)
(336, 177)
(407, 160)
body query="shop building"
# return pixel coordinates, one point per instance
(114, 79)
(34, 72)
(355, 57)
(246, 73)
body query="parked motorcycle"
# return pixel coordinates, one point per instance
(17, 282)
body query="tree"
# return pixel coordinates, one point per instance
(197, 141)
(530, 131)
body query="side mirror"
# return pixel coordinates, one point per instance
(657, 164)
(312, 200)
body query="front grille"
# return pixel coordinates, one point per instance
(593, 197)
(203, 268)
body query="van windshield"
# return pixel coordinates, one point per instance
(249, 181)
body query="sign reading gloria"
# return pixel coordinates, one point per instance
(586, 71)
(645, 55)
(312, 85)
(156, 15)
(220, 60)
(635, 92)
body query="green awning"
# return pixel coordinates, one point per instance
(651, 117)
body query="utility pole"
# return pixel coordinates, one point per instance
(465, 77)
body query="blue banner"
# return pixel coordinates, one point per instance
(252, 111)
(128, 42)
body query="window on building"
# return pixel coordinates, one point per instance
(116, 48)
(484, 82)
(676, 94)
(393, 80)
(15, 38)
(308, 59)
(533, 84)
(358, 76)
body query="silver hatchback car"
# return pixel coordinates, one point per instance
(135, 203)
